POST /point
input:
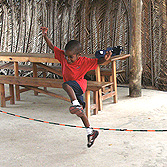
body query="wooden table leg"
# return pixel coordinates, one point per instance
(44, 76)
(35, 75)
(114, 79)
(98, 78)
(87, 100)
(16, 70)
(95, 101)
(11, 90)
(2, 91)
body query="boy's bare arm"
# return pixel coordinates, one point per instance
(44, 34)
(106, 58)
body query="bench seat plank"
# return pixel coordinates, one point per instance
(30, 81)
(47, 82)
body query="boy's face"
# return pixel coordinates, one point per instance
(70, 56)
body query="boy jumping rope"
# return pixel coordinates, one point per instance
(74, 68)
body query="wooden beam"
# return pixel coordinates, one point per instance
(16, 70)
(6, 65)
(50, 69)
(47, 93)
(136, 58)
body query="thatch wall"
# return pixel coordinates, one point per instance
(97, 24)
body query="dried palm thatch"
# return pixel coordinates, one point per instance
(96, 24)
(154, 44)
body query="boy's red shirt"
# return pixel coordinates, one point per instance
(77, 70)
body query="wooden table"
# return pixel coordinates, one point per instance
(34, 58)
(39, 59)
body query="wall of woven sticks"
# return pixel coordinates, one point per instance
(97, 24)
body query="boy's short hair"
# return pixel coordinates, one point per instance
(75, 46)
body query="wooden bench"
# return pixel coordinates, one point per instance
(107, 91)
(30, 83)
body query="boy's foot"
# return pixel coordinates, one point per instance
(92, 137)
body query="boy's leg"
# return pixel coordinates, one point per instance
(73, 97)
(77, 109)
(72, 94)
(69, 91)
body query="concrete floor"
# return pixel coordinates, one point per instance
(26, 143)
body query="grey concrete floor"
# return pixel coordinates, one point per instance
(26, 143)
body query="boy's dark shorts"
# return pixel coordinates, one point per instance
(78, 91)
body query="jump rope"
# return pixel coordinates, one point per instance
(74, 126)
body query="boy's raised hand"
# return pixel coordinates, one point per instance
(44, 34)
(44, 31)
(108, 55)
(105, 58)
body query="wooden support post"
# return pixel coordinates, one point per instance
(98, 78)
(136, 58)
(11, 91)
(95, 101)
(44, 76)
(2, 91)
(87, 100)
(35, 75)
(114, 79)
(103, 80)
(16, 70)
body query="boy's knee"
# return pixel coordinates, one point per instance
(64, 85)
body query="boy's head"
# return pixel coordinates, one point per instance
(72, 51)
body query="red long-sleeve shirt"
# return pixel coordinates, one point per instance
(76, 70)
